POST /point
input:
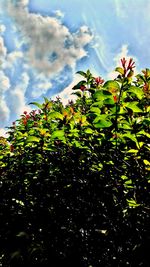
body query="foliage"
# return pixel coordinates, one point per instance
(75, 179)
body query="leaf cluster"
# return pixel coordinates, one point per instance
(75, 179)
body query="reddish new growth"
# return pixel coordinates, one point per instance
(25, 118)
(99, 81)
(11, 148)
(82, 88)
(146, 87)
(33, 115)
(127, 66)
(115, 98)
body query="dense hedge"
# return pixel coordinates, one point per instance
(75, 179)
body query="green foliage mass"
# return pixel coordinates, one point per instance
(75, 180)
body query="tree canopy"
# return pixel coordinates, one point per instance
(75, 180)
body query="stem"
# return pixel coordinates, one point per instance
(116, 115)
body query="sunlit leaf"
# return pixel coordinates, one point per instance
(31, 139)
(103, 124)
(133, 106)
(112, 86)
(58, 134)
(146, 162)
(55, 115)
(88, 131)
(95, 110)
(120, 70)
(36, 104)
(102, 95)
(132, 203)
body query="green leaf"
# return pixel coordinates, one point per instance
(88, 73)
(148, 109)
(124, 125)
(15, 254)
(134, 151)
(130, 136)
(102, 95)
(124, 177)
(100, 117)
(22, 234)
(82, 73)
(133, 106)
(103, 124)
(95, 110)
(88, 131)
(36, 104)
(143, 133)
(78, 93)
(73, 133)
(146, 162)
(77, 143)
(46, 99)
(31, 139)
(112, 86)
(132, 203)
(120, 70)
(97, 104)
(78, 85)
(109, 101)
(55, 115)
(136, 91)
(58, 134)
(42, 131)
(141, 78)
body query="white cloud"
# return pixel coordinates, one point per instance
(47, 36)
(123, 53)
(2, 28)
(3, 49)
(4, 82)
(51, 46)
(13, 56)
(24, 2)
(11, 59)
(4, 86)
(8, 60)
(102, 52)
(4, 111)
(120, 9)
(18, 101)
(58, 13)
(41, 88)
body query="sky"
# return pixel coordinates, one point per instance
(43, 43)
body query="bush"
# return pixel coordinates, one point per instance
(75, 179)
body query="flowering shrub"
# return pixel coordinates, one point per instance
(75, 178)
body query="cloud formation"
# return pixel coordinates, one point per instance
(46, 36)
(17, 95)
(42, 49)
(4, 87)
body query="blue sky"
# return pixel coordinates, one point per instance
(44, 42)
